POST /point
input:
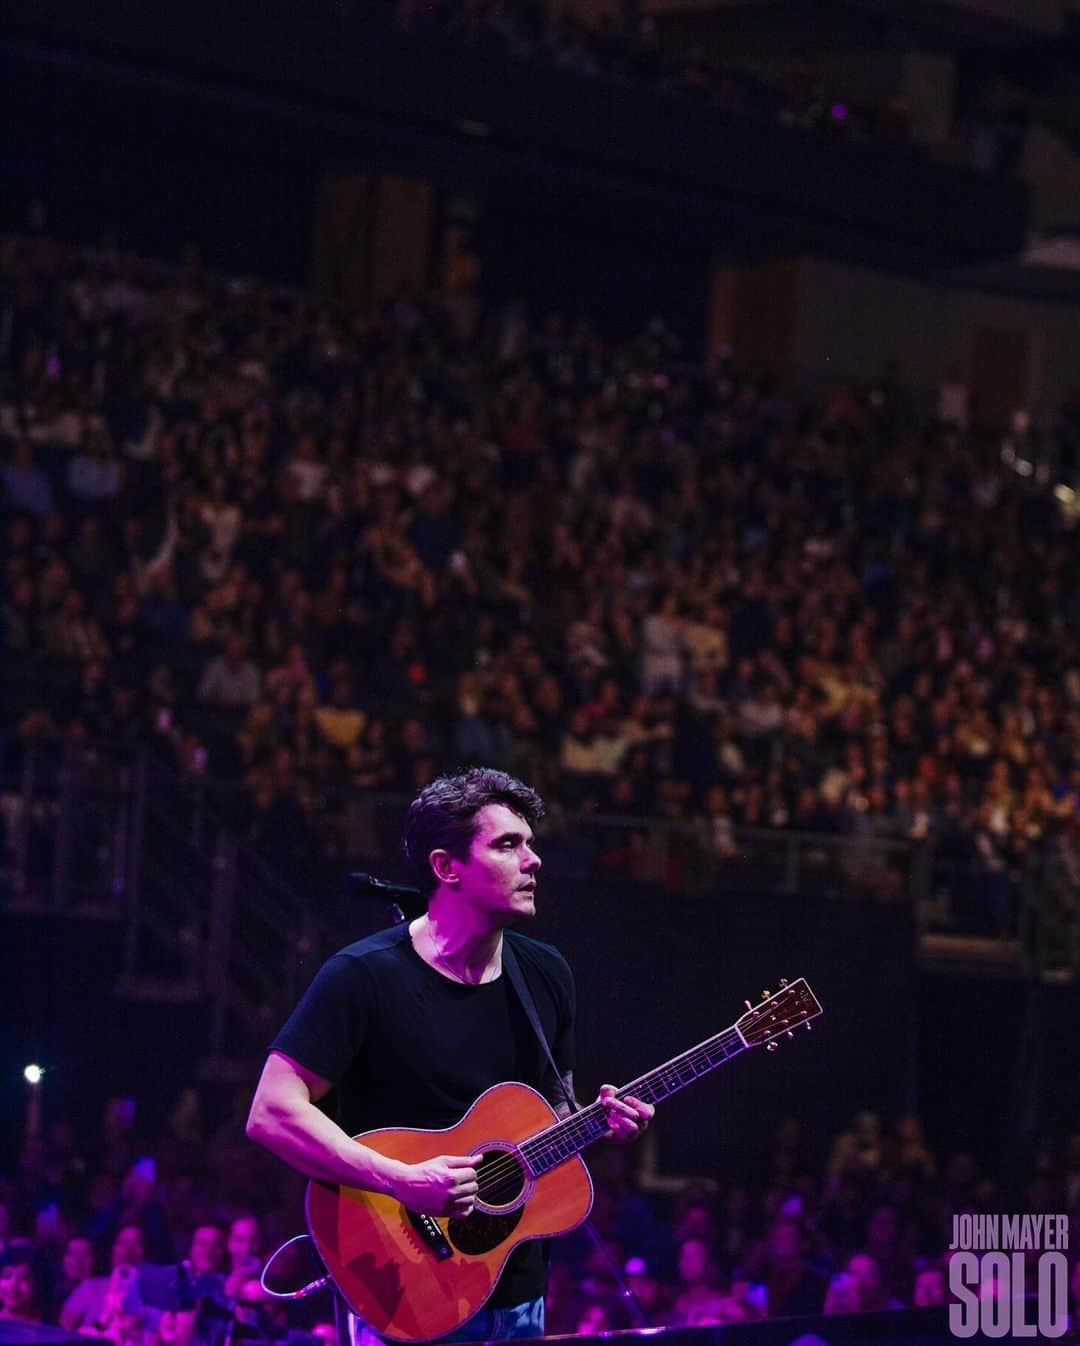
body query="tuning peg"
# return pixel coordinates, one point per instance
(790, 1034)
(808, 1027)
(765, 995)
(771, 1046)
(748, 1004)
(783, 981)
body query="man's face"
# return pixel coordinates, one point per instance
(243, 1240)
(78, 1259)
(127, 1249)
(867, 1277)
(16, 1287)
(176, 1327)
(207, 1250)
(498, 877)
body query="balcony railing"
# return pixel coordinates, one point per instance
(85, 832)
(208, 914)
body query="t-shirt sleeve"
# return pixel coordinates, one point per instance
(326, 1031)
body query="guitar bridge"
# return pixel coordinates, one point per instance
(430, 1234)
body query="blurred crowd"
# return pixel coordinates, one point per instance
(111, 1234)
(320, 551)
(628, 48)
(145, 1239)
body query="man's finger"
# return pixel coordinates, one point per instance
(616, 1108)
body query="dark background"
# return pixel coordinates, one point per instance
(890, 1037)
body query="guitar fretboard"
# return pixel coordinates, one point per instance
(553, 1146)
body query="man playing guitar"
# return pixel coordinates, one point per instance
(411, 1025)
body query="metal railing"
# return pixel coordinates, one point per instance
(952, 892)
(205, 915)
(67, 830)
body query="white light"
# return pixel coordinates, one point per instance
(1065, 494)
(1024, 468)
(32, 1074)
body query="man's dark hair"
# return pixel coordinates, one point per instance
(443, 815)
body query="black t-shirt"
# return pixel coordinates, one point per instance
(406, 1046)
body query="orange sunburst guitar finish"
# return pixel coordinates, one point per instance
(414, 1277)
(392, 1268)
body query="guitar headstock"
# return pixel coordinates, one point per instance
(789, 1008)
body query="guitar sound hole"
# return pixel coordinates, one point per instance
(478, 1233)
(500, 1177)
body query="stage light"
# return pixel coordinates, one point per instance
(32, 1074)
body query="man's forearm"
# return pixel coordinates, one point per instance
(310, 1142)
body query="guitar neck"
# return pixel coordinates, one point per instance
(557, 1143)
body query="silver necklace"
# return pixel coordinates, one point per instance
(440, 958)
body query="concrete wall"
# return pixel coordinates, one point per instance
(1052, 170)
(1048, 16)
(852, 322)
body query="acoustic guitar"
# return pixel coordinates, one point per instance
(412, 1277)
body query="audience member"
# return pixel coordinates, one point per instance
(546, 550)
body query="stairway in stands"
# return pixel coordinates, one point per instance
(202, 917)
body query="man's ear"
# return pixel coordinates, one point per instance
(442, 864)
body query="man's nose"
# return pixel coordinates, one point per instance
(531, 862)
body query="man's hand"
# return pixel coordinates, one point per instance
(627, 1117)
(445, 1185)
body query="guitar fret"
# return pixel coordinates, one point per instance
(683, 1070)
(560, 1142)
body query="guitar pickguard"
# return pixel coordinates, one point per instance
(480, 1233)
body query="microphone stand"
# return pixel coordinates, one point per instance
(393, 895)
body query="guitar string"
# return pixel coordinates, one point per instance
(665, 1075)
(578, 1126)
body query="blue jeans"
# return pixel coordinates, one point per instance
(519, 1320)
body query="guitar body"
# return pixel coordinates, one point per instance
(411, 1278)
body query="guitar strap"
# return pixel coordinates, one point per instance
(521, 986)
(517, 980)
